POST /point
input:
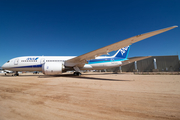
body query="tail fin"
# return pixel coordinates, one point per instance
(123, 52)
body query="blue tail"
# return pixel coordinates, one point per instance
(123, 52)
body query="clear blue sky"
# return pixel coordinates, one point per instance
(75, 27)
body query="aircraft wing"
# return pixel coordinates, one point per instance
(131, 60)
(79, 61)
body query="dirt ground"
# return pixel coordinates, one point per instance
(93, 96)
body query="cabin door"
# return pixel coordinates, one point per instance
(16, 61)
(42, 60)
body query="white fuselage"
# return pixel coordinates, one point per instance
(34, 63)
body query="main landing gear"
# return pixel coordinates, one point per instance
(16, 73)
(77, 73)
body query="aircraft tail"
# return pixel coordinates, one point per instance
(123, 52)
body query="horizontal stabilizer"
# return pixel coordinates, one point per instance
(131, 60)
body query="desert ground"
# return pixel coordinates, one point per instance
(92, 96)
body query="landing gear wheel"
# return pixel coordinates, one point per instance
(16, 73)
(77, 73)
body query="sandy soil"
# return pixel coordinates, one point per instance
(93, 96)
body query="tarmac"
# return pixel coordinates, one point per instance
(92, 96)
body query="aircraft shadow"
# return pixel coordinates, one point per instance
(21, 75)
(103, 79)
(83, 77)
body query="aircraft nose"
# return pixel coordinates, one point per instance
(4, 66)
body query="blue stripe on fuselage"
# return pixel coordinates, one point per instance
(106, 60)
(30, 66)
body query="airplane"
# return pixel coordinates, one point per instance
(55, 65)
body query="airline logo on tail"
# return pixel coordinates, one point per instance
(123, 50)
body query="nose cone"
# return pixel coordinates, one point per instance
(5, 66)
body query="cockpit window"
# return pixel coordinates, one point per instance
(8, 61)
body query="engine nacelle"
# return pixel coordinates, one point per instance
(53, 68)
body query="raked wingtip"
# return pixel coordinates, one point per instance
(175, 26)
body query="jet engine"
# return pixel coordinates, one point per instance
(53, 68)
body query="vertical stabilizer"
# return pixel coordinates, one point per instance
(123, 52)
